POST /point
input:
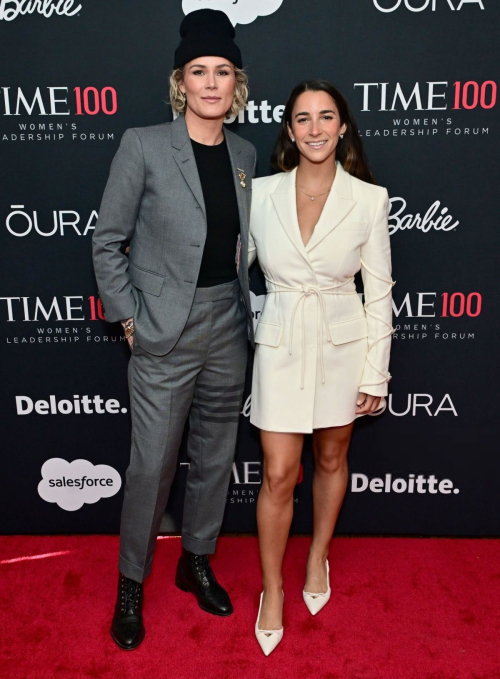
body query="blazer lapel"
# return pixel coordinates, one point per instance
(185, 159)
(285, 204)
(242, 196)
(337, 206)
(234, 150)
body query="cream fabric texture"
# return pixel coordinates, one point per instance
(317, 343)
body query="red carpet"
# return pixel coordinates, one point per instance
(400, 609)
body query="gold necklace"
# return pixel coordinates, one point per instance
(313, 197)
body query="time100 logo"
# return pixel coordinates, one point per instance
(94, 101)
(471, 93)
(457, 304)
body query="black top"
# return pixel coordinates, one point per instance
(218, 264)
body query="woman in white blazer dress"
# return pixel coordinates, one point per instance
(322, 355)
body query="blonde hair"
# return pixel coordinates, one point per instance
(178, 99)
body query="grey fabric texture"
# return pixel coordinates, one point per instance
(190, 345)
(201, 378)
(153, 202)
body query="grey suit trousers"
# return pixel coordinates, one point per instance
(201, 378)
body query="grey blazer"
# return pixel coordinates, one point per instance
(153, 201)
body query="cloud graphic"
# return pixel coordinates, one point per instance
(239, 12)
(73, 484)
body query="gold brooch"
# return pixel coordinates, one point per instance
(242, 176)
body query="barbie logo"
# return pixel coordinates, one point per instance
(11, 9)
(436, 218)
(238, 11)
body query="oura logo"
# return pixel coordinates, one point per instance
(420, 5)
(20, 222)
(238, 11)
(72, 484)
(423, 401)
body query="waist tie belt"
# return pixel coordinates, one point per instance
(306, 292)
(333, 290)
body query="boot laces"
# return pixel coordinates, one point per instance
(130, 594)
(202, 566)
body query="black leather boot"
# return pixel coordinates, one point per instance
(194, 574)
(127, 628)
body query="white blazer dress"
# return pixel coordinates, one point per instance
(317, 343)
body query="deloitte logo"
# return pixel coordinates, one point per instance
(70, 485)
(79, 405)
(238, 11)
(412, 484)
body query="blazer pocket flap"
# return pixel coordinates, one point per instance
(145, 280)
(268, 333)
(348, 331)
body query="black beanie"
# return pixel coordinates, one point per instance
(205, 33)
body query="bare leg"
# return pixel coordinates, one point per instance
(274, 515)
(330, 448)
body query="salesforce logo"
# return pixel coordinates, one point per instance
(70, 485)
(238, 11)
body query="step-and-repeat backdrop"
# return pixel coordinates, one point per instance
(421, 77)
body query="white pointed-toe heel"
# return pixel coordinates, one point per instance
(316, 600)
(268, 638)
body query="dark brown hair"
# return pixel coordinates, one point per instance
(349, 150)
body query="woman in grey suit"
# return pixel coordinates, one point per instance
(179, 195)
